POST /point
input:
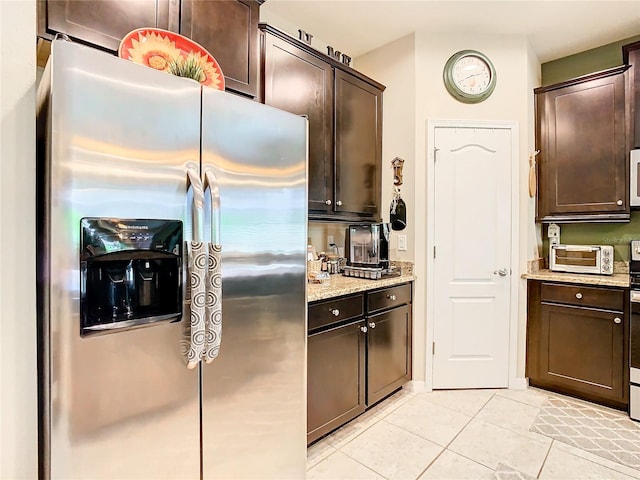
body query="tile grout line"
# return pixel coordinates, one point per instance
(545, 458)
(446, 447)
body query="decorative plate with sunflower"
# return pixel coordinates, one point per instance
(157, 48)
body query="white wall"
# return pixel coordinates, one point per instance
(425, 96)
(393, 65)
(18, 397)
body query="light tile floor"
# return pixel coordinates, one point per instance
(453, 434)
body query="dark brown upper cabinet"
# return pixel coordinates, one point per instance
(100, 23)
(344, 109)
(358, 145)
(228, 29)
(583, 161)
(631, 56)
(289, 70)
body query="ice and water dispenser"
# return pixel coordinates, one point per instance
(131, 273)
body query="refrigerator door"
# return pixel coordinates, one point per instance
(123, 404)
(254, 392)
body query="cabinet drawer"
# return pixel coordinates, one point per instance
(388, 297)
(580, 295)
(335, 310)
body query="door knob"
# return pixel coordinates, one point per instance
(372, 324)
(327, 202)
(619, 202)
(339, 203)
(335, 312)
(363, 329)
(503, 272)
(617, 320)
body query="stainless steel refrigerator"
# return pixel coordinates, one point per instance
(140, 174)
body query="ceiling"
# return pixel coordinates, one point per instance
(554, 28)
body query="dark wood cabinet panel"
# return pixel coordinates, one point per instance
(228, 29)
(359, 358)
(344, 109)
(335, 378)
(388, 352)
(583, 160)
(631, 55)
(358, 145)
(578, 350)
(101, 23)
(300, 83)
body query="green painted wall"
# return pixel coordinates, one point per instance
(589, 61)
(617, 234)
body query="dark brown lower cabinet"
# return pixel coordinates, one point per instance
(335, 378)
(577, 341)
(388, 358)
(356, 356)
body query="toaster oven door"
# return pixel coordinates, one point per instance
(577, 259)
(634, 179)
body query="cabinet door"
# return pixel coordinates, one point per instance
(358, 145)
(388, 352)
(583, 159)
(631, 54)
(228, 29)
(300, 83)
(101, 23)
(582, 352)
(335, 378)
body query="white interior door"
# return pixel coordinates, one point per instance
(472, 264)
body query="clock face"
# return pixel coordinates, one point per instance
(469, 76)
(472, 75)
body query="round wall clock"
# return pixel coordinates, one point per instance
(469, 76)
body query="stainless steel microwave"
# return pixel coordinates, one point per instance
(581, 259)
(634, 179)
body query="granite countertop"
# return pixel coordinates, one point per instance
(341, 285)
(615, 280)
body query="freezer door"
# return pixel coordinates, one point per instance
(254, 392)
(122, 404)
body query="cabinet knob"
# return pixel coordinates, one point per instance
(578, 296)
(617, 320)
(327, 202)
(619, 202)
(391, 297)
(363, 329)
(335, 312)
(372, 324)
(339, 203)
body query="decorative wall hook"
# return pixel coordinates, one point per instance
(397, 164)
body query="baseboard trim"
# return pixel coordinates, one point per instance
(519, 383)
(416, 386)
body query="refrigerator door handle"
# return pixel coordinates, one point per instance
(211, 185)
(194, 331)
(214, 275)
(197, 207)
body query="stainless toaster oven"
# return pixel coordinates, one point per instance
(581, 259)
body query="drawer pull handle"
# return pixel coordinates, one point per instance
(335, 312)
(391, 297)
(617, 320)
(363, 329)
(372, 324)
(578, 296)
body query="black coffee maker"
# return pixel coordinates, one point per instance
(367, 245)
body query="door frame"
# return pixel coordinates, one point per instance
(513, 126)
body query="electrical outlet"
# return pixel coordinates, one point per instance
(402, 243)
(329, 240)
